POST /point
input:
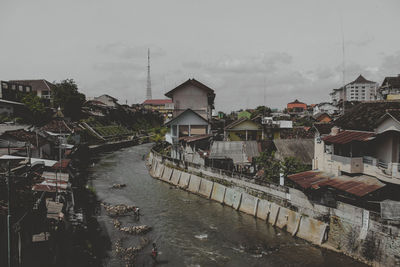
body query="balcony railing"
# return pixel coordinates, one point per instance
(383, 164)
(348, 164)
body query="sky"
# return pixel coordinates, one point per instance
(256, 52)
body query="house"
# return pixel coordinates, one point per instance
(234, 155)
(109, 101)
(360, 89)
(165, 106)
(41, 87)
(39, 146)
(187, 123)
(11, 108)
(195, 96)
(244, 129)
(325, 107)
(296, 107)
(364, 141)
(13, 91)
(322, 117)
(390, 88)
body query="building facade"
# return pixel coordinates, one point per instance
(390, 88)
(360, 89)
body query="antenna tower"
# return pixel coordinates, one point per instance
(148, 89)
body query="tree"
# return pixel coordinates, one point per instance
(271, 166)
(291, 165)
(36, 108)
(67, 97)
(263, 110)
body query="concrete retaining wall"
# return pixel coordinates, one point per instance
(153, 168)
(194, 183)
(159, 170)
(175, 177)
(312, 230)
(263, 209)
(273, 213)
(218, 193)
(293, 222)
(184, 180)
(206, 187)
(248, 204)
(166, 174)
(232, 198)
(282, 219)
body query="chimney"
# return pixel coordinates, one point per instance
(335, 130)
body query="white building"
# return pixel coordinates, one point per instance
(360, 89)
(325, 107)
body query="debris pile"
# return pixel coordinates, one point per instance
(141, 229)
(118, 186)
(118, 210)
(129, 253)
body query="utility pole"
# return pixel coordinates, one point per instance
(148, 89)
(9, 215)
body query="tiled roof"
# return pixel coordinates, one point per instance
(302, 149)
(36, 84)
(56, 126)
(365, 115)
(195, 83)
(361, 79)
(346, 137)
(239, 151)
(393, 82)
(296, 102)
(25, 136)
(157, 101)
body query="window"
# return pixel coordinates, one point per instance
(4, 85)
(20, 88)
(13, 87)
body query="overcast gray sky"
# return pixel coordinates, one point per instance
(289, 49)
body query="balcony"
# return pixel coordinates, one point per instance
(385, 171)
(348, 164)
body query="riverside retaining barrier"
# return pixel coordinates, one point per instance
(290, 209)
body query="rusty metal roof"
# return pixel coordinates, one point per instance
(346, 137)
(358, 185)
(308, 179)
(189, 139)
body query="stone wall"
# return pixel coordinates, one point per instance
(349, 229)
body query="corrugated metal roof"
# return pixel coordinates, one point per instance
(308, 179)
(240, 152)
(346, 137)
(358, 185)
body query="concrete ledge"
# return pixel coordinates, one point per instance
(218, 193)
(312, 230)
(153, 167)
(273, 214)
(293, 222)
(159, 170)
(283, 216)
(263, 209)
(166, 174)
(184, 180)
(194, 183)
(232, 198)
(175, 177)
(150, 158)
(248, 204)
(206, 187)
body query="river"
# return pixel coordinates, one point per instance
(190, 230)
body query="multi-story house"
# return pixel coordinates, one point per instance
(365, 141)
(296, 107)
(360, 89)
(193, 95)
(42, 88)
(325, 108)
(390, 88)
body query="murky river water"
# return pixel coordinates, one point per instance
(190, 230)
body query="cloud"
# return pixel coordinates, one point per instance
(118, 66)
(128, 51)
(361, 42)
(258, 64)
(391, 64)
